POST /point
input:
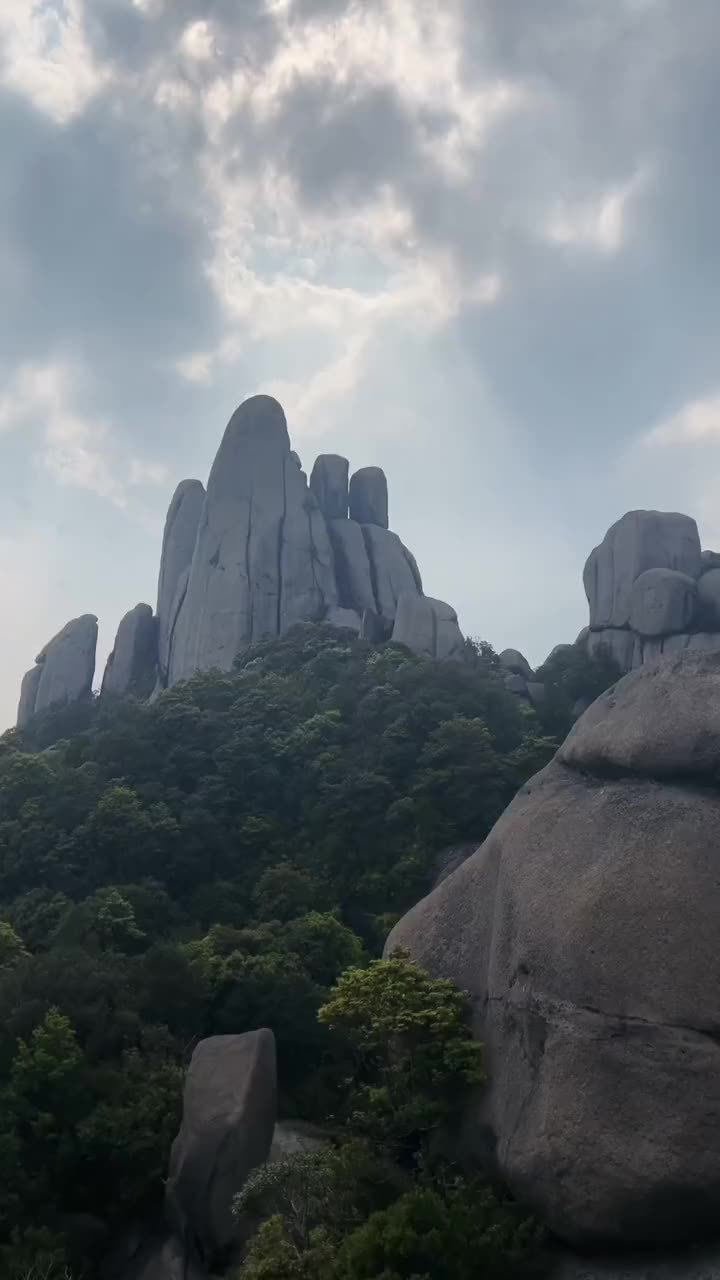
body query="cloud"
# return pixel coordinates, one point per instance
(696, 423)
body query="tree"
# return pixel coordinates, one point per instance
(415, 1056)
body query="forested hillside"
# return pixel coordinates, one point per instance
(211, 863)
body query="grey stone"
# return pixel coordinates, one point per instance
(663, 601)
(516, 684)
(229, 1112)
(640, 540)
(613, 643)
(661, 721)
(66, 669)
(585, 931)
(344, 618)
(262, 558)
(28, 696)
(369, 497)
(428, 627)
(132, 665)
(513, 660)
(581, 638)
(393, 571)
(579, 707)
(372, 627)
(448, 860)
(709, 599)
(709, 560)
(157, 1255)
(329, 483)
(296, 1138)
(352, 566)
(181, 527)
(536, 692)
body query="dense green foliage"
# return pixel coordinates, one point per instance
(211, 863)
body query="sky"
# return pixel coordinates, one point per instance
(473, 242)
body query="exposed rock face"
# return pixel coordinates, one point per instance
(617, 644)
(709, 597)
(369, 497)
(515, 662)
(132, 665)
(66, 669)
(662, 602)
(349, 618)
(295, 1138)
(392, 569)
(329, 483)
(640, 540)
(181, 528)
(227, 1130)
(352, 566)
(262, 558)
(428, 627)
(585, 931)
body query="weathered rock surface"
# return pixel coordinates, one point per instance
(352, 566)
(614, 643)
(392, 569)
(640, 540)
(428, 627)
(373, 628)
(67, 667)
(368, 497)
(662, 602)
(708, 598)
(585, 931)
(132, 665)
(229, 1112)
(262, 558)
(181, 528)
(515, 662)
(158, 1255)
(296, 1138)
(338, 617)
(516, 684)
(709, 560)
(329, 483)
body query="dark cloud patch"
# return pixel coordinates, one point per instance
(132, 38)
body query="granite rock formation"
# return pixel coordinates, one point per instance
(229, 1112)
(181, 529)
(246, 559)
(652, 592)
(132, 667)
(584, 929)
(63, 670)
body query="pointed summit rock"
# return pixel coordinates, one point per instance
(262, 558)
(329, 483)
(369, 497)
(132, 665)
(181, 527)
(66, 667)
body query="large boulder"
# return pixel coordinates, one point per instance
(369, 497)
(516, 663)
(132, 665)
(229, 1112)
(329, 483)
(181, 529)
(262, 558)
(428, 627)
(640, 540)
(585, 931)
(392, 569)
(66, 668)
(662, 602)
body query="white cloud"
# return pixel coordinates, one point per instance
(697, 422)
(46, 56)
(596, 224)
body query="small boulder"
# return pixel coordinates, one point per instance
(663, 601)
(369, 497)
(709, 560)
(66, 668)
(709, 598)
(229, 1112)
